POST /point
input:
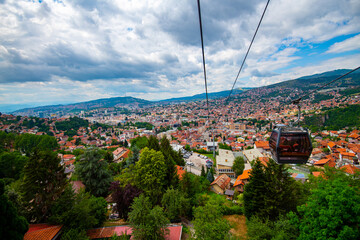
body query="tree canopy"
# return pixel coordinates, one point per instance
(94, 173)
(271, 191)
(12, 225)
(147, 222)
(150, 173)
(43, 182)
(238, 166)
(209, 224)
(331, 212)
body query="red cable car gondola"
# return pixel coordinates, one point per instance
(290, 145)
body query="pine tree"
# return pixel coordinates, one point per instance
(210, 176)
(43, 183)
(255, 190)
(203, 174)
(94, 172)
(153, 143)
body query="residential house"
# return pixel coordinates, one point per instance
(350, 169)
(262, 146)
(326, 161)
(120, 154)
(224, 162)
(241, 180)
(251, 154)
(221, 184)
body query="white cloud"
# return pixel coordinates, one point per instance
(80, 50)
(345, 46)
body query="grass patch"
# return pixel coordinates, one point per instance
(238, 224)
(115, 223)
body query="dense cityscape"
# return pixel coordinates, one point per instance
(179, 120)
(108, 155)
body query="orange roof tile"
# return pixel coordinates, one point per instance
(351, 169)
(180, 171)
(42, 231)
(322, 161)
(331, 144)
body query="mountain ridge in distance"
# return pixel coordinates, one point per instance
(305, 83)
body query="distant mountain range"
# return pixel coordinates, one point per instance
(202, 96)
(304, 83)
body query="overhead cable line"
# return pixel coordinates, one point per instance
(243, 62)
(206, 90)
(203, 58)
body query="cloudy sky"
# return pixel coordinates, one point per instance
(54, 51)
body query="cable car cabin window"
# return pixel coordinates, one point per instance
(272, 142)
(294, 146)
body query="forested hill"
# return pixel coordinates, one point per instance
(77, 107)
(313, 81)
(334, 119)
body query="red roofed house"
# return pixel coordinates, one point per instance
(326, 161)
(242, 180)
(120, 154)
(350, 169)
(43, 231)
(262, 146)
(180, 171)
(221, 184)
(347, 156)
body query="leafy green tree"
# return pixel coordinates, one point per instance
(12, 164)
(154, 143)
(209, 224)
(271, 191)
(238, 166)
(150, 173)
(147, 222)
(282, 229)
(109, 157)
(331, 212)
(43, 182)
(140, 142)
(12, 225)
(27, 143)
(175, 203)
(224, 146)
(81, 211)
(94, 172)
(74, 234)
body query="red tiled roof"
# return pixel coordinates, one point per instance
(245, 175)
(262, 144)
(322, 161)
(222, 181)
(350, 169)
(180, 171)
(107, 232)
(42, 231)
